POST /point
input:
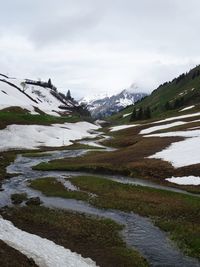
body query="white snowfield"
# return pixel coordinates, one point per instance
(162, 127)
(178, 117)
(187, 108)
(44, 252)
(182, 153)
(11, 96)
(185, 180)
(34, 136)
(122, 127)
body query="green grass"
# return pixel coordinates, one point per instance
(36, 155)
(76, 146)
(51, 187)
(18, 198)
(91, 237)
(10, 117)
(5, 160)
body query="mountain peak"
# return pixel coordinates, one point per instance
(106, 104)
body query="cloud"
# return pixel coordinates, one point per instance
(94, 46)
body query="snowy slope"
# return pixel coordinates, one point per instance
(31, 97)
(104, 105)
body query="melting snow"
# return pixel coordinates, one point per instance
(126, 115)
(186, 180)
(183, 153)
(33, 136)
(187, 108)
(44, 252)
(162, 127)
(121, 127)
(178, 117)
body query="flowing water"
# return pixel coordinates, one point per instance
(139, 232)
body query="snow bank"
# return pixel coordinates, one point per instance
(34, 136)
(126, 115)
(195, 133)
(183, 153)
(44, 252)
(187, 108)
(162, 127)
(178, 117)
(121, 127)
(186, 180)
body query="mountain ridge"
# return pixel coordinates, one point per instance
(105, 105)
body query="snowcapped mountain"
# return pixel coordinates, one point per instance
(34, 96)
(105, 105)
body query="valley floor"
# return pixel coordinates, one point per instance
(149, 151)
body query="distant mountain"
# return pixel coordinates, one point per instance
(105, 105)
(35, 97)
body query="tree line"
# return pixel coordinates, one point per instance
(141, 114)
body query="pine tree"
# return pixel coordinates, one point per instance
(133, 115)
(140, 114)
(50, 83)
(147, 113)
(68, 95)
(167, 105)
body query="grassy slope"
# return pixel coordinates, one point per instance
(176, 213)
(91, 237)
(11, 117)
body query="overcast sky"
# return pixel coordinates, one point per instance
(94, 46)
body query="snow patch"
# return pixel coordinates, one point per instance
(187, 108)
(183, 153)
(44, 252)
(185, 180)
(126, 115)
(162, 127)
(34, 136)
(121, 127)
(178, 117)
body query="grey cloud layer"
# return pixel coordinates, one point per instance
(99, 45)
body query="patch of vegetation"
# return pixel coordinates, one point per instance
(10, 257)
(36, 155)
(76, 146)
(51, 187)
(5, 159)
(91, 237)
(18, 198)
(9, 117)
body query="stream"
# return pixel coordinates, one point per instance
(139, 232)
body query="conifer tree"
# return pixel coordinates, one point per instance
(68, 95)
(133, 115)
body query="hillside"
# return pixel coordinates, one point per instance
(182, 92)
(36, 97)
